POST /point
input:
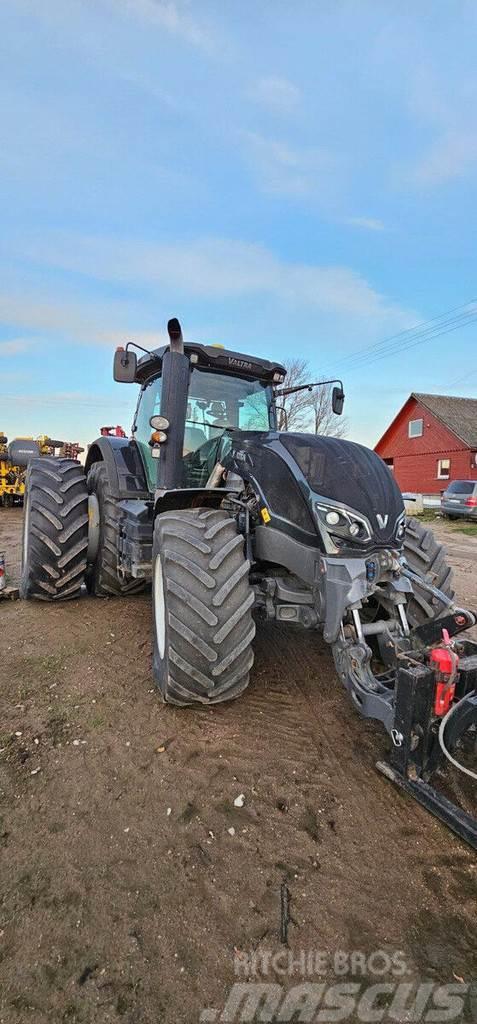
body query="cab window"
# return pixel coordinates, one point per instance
(216, 403)
(149, 405)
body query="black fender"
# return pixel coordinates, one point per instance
(190, 497)
(125, 467)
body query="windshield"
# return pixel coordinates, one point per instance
(215, 402)
(461, 487)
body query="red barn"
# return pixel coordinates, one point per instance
(432, 440)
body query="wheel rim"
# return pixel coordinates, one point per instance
(159, 607)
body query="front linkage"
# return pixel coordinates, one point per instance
(426, 696)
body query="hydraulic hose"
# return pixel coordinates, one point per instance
(445, 751)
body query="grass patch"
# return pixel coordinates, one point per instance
(470, 529)
(424, 517)
(40, 666)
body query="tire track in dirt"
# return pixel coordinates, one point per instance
(309, 717)
(314, 710)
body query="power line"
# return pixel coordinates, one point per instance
(457, 380)
(409, 338)
(446, 327)
(470, 308)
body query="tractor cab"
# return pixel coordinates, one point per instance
(218, 402)
(199, 395)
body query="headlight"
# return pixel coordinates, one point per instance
(401, 528)
(332, 518)
(344, 525)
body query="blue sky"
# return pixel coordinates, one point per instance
(286, 178)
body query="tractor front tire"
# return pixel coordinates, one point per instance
(102, 577)
(202, 608)
(55, 530)
(426, 556)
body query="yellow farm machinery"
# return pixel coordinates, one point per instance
(15, 457)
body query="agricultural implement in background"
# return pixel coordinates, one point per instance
(112, 431)
(225, 514)
(15, 457)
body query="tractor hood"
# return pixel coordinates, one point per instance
(297, 472)
(347, 473)
(351, 475)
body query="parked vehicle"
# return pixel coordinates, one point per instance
(459, 500)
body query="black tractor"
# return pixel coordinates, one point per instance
(227, 516)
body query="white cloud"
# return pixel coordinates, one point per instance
(283, 170)
(447, 109)
(452, 156)
(87, 323)
(174, 17)
(368, 223)
(209, 268)
(278, 95)
(14, 346)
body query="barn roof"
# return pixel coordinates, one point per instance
(458, 414)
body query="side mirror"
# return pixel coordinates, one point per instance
(125, 365)
(337, 400)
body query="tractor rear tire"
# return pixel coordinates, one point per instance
(102, 577)
(426, 556)
(55, 530)
(202, 608)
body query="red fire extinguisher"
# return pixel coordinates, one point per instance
(445, 662)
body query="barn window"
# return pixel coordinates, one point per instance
(416, 428)
(443, 469)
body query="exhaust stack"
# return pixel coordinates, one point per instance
(175, 385)
(174, 331)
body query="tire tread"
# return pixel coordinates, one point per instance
(103, 579)
(209, 602)
(427, 557)
(56, 520)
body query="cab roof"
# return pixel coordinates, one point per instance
(214, 358)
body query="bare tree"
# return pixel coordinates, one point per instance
(323, 419)
(309, 412)
(293, 410)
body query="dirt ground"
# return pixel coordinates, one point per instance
(124, 890)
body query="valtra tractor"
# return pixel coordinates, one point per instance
(232, 521)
